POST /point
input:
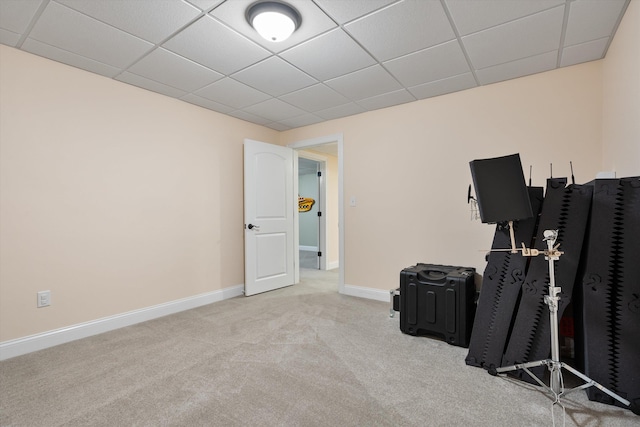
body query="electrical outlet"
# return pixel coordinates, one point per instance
(44, 299)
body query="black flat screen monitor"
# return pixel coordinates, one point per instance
(500, 189)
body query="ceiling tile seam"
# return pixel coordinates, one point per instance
(184, 27)
(234, 109)
(209, 9)
(316, 36)
(43, 6)
(366, 15)
(514, 60)
(438, 80)
(168, 85)
(357, 17)
(269, 51)
(162, 42)
(460, 43)
(32, 23)
(325, 13)
(588, 41)
(394, 78)
(239, 34)
(80, 56)
(563, 33)
(298, 116)
(346, 31)
(518, 18)
(270, 97)
(319, 109)
(289, 104)
(356, 41)
(315, 80)
(402, 89)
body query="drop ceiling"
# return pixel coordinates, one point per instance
(347, 57)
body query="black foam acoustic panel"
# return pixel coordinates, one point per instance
(611, 292)
(500, 189)
(566, 209)
(501, 283)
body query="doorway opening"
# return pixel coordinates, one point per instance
(311, 210)
(326, 152)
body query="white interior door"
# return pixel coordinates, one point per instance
(270, 206)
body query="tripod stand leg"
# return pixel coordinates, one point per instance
(591, 383)
(517, 366)
(525, 367)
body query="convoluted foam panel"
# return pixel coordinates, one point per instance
(501, 283)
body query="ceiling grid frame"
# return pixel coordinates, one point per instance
(331, 30)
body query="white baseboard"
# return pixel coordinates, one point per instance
(308, 248)
(333, 265)
(20, 346)
(369, 293)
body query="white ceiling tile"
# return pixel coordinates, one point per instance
(374, 52)
(90, 38)
(518, 39)
(472, 16)
(523, 67)
(274, 76)
(9, 38)
(365, 83)
(206, 103)
(592, 19)
(16, 15)
(243, 115)
(280, 127)
(329, 55)
(215, 46)
(232, 93)
(303, 120)
(345, 11)
(340, 111)
(314, 98)
(387, 100)
(402, 28)
(430, 64)
(69, 58)
(274, 110)
(152, 20)
(151, 85)
(173, 70)
(314, 22)
(584, 52)
(444, 86)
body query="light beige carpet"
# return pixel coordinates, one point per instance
(300, 356)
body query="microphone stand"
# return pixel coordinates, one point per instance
(554, 364)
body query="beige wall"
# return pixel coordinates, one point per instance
(112, 197)
(408, 166)
(116, 198)
(621, 98)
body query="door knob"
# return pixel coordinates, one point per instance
(251, 227)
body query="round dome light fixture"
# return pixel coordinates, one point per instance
(273, 20)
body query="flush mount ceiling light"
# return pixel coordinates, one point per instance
(273, 20)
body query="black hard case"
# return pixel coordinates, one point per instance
(438, 300)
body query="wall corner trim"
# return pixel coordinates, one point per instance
(20, 346)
